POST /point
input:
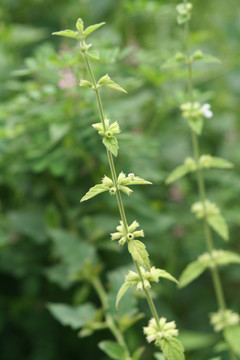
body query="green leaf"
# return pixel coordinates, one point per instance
(112, 349)
(232, 336)
(80, 25)
(164, 274)
(75, 317)
(175, 61)
(122, 291)
(159, 356)
(67, 33)
(206, 58)
(107, 81)
(111, 144)
(72, 251)
(172, 349)
(177, 173)
(192, 340)
(95, 190)
(138, 353)
(227, 257)
(135, 180)
(192, 272)
(125, 189)
(196, 125)
(139, 253)
(92, 28)
(218, 223)
(208, 161)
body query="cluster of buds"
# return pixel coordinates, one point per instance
(184, 12)
(161, 330)
(130, 235)
(110, 129)
(222, 319)
(206, 209)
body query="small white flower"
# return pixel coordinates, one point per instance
(207, 113)
(162, 330)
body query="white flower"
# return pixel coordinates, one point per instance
(207, 113)
(223, 319)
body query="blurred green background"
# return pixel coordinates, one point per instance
(50, 155)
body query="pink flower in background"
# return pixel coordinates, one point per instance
(67, 79)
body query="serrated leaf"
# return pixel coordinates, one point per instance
(112, 349)
(192, 272)
(139, 253)
(111, 144)
(75, 317)
(218, 223)
(67, 33)
(164, 274)
(178, 173)
(196, 125)
(95, 190)
(232, 336)
(107, 81)
(227, 257)
(172, 349)
(136, 180)
(92, 28)
(122, 291)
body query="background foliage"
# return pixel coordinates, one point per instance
(50, 156)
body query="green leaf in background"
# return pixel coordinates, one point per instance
(198, 56)
(192, 272)
(178, 59)
(208, 161)
(139, 253)
(73, 252)
(172, 349)
(75, 317)
(112, 349)
(111, 144)
(159, 356)
(218, 223)
(232, 336)
(138, 353)
(196, 124)
(193, 340)
(188, 166)
(223, 257)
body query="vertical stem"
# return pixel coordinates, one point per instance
(109, 319)
(118, 194)
(202, 193)
(201, 186)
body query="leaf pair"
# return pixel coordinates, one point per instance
(196, 268)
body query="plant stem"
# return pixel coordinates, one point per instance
(202, 193)
(118, 194)
(109, 319)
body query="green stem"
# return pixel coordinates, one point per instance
(118, 194)
(109, 319)
(202, 193)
